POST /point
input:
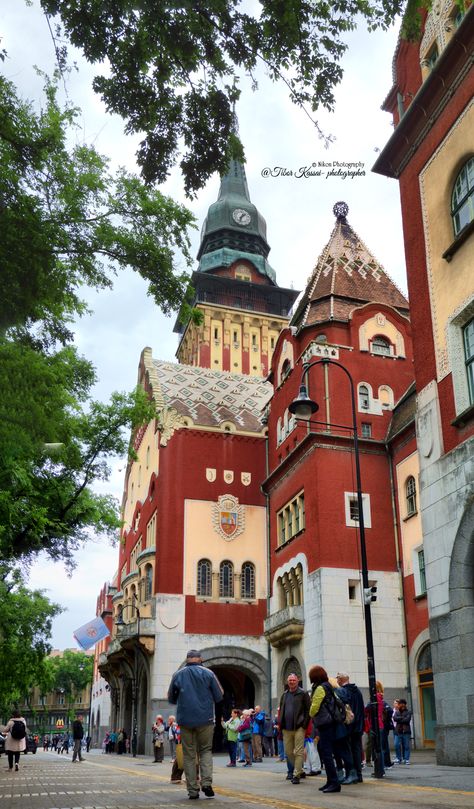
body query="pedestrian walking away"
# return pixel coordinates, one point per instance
(15, 739)
(195, 690)
(77, 735)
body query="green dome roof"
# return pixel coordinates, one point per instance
(234, 227)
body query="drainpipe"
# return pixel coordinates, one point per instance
(401, 582)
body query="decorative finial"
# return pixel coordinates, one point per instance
(340, 211)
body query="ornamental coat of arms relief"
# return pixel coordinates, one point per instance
(228, 517)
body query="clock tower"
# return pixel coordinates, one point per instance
(234, 287)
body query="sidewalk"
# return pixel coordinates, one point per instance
(422, 772)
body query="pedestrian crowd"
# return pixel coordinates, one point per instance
(328, 722)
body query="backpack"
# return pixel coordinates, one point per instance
(338, 708)
(349, 717)
(18, 730)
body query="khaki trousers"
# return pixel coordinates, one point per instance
(294, 749)
(197, 744)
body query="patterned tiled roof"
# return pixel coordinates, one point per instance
(346, 276)
(211, 397)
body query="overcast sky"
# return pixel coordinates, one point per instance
(298, 212)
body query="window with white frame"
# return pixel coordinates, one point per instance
(351, 508)
(386, 397)
(421, 569)
(419, 572)
(468, 340)
(366, 430)
(462, 200)
(379, 345)
(410, 496)
(364, 396)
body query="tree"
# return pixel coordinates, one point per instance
(70, 673)
(173, 66)
(47, 500)
(67, 222)
(25, 631)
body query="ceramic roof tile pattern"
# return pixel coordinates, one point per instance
(211, 397)
(346, 275)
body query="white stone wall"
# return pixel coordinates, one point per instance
(444, 487)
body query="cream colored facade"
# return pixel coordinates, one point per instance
(451, 282)
(202, 540)
(223, 327)
(410, 524)
(140, 471)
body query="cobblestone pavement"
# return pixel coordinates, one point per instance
(49, 781)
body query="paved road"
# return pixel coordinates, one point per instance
(48, 781)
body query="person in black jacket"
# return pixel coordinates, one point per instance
(293, 721)
(77, 735)
(352, 695)
(402, 722)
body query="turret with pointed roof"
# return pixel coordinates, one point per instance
(346, 276)
(235, 287)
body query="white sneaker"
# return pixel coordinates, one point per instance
(406, 762)
(396, 761)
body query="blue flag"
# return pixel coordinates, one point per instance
(90, 633)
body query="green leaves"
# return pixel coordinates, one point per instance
(67, 222)
(172, 65)
(25, 631)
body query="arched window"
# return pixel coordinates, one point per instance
(285, 369)
(410, 493)
(204, 578)
(462, 200)
(386, 397)
(226, 580)
(148, 582)
(247, 580)
(364, 397)
(379, 345)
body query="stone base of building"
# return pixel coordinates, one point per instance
(455, 745)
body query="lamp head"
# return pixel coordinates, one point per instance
(303, 407)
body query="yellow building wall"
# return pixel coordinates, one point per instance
(140, 472)
(410, 529)
(201, 541)
(236, 347)
(451, 283)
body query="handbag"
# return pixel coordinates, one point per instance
(245, 735)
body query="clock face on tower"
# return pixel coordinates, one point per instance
(240, 216)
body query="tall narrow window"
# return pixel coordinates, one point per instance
(462, 201)
(364, 397)
(204, 578)
(468, 333)
(226, 580)
(148, 582)
(410, 492)
(421, 567)
(354, 509)
(247, 580)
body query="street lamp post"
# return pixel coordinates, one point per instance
(303, 407)
(120, 622)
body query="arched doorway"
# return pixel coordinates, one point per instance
(239, 692)
(291, 666)
(424, 670)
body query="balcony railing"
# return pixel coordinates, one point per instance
(285, 626)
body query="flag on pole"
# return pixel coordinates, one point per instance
(90, 633)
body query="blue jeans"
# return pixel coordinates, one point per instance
(402, 746)
(232, 748)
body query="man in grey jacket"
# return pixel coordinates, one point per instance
(195, 690)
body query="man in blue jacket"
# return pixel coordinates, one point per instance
(195, 690)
